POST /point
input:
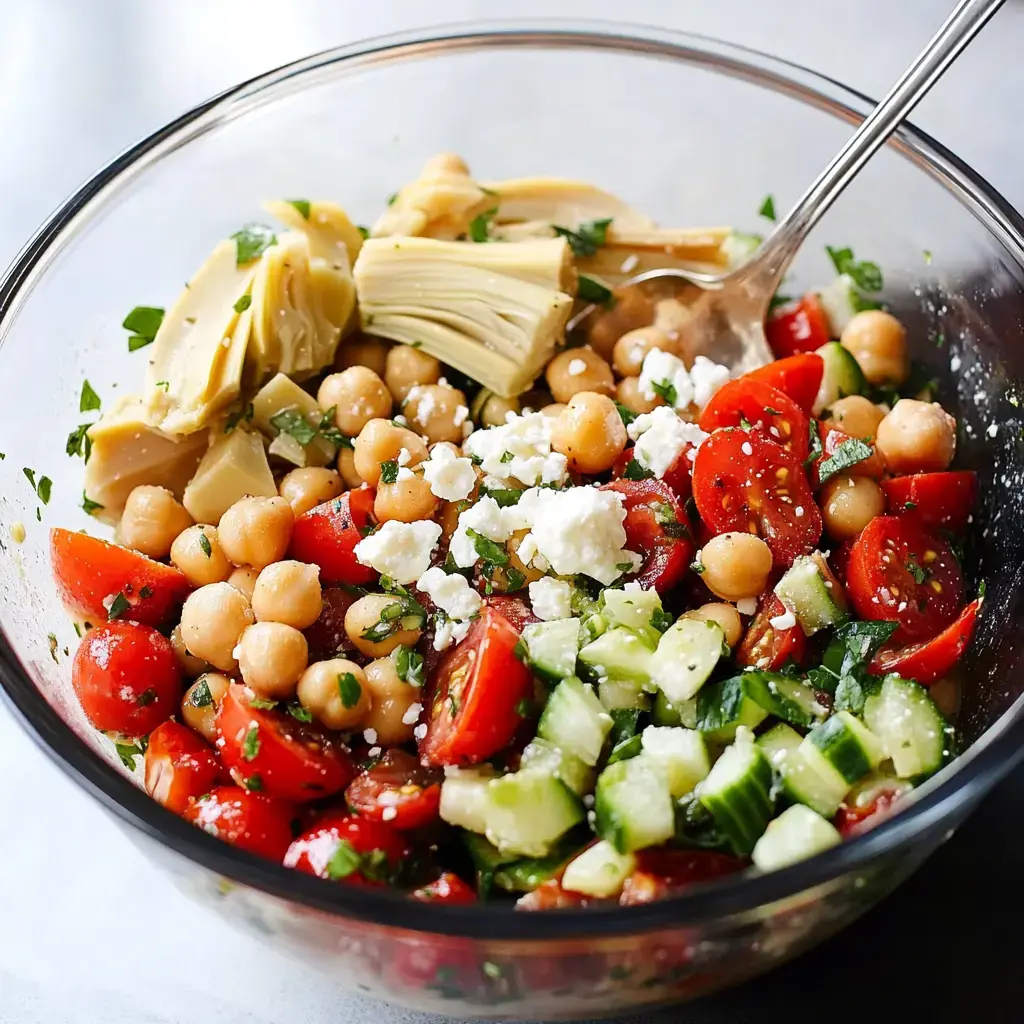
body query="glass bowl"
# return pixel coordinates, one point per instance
(691, 130)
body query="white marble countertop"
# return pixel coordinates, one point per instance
(90, 932)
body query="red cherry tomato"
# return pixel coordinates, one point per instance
(677, 476)
(291, 760)
(940, 501)
(447, 888)
(370, 853)
(840, 560)
(853, 821)
(476, 694)
(929, 661)
(397, 790)
(327, 535)
(90, 573)
(774, 415)
(663, 871)
(327, 638)
(656, 527)
(179, 766)
(798, 376)
(767, 648)
(741, 482)
(899, 572)
(250, 821)
(127, 678)
(515, 609)
(802, 327)
(550, 895)
(831, 440)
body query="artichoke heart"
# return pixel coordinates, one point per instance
(234, 465)
(281, 394)
(496, 311)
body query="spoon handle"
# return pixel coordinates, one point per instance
(958, 30)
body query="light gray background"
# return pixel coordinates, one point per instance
(90, 933)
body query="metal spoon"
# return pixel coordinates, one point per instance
(729, 317)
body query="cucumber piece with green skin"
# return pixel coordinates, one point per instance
(575, 721)
(796, 834)
(620, 694)
(551, 648)
(686, 656)
(910, 728)
(463, 798)
(634, 609)
(778, 743)
(809, 596)
(665, 712)
(619, 654)
(842, 377)
(626, 749)
(847, 745)
(599, 871)
(527, 873)
(486, 858)
(682, 752)
(785, 698)
(806, 775)
(840, 303)
(725, 706)
(624, 724)
(527, 812)
(543, 756)
(633, 806)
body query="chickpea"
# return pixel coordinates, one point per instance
(256, 531)
(271, 658)
(406, 500)
(553, 411)
(438, 411)
(849, 503)
(631, 395)
(917, 437)
(630, 350)
(724, 615)
(736, 565)
(190, 664)
(589, 433)
(152, 518)
(364, 615)
(632, 309)
(856, 416)
(578, 369)
(336, 693)
(199, 711)
(244, 581)
(198, 554)
(381, 441)
(357, 396)
(288, 592)
(347, 468)
(495, 409)
(362, 351)
(405, 367)
(310, 486)
(391, 699)
(878, 341)
(212, 620)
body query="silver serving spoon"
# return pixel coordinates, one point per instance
(728, 319)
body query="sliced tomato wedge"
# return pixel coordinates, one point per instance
(741, 482)
(276, 753)
(929, 661)
(771, 413)
(940, 501)
(90, 573)
(767, 648)
(327, 535)
(899, 572)
(397, 790)
(853, 820)
(657, 528)
(515, 609)
(447, 888)
(476, 695)
(801, 327)
(831, 441)
(677, 476)
(345, 848)
(327, 638)
(664, 871)
(179, 766)
(250, 821)
(797, 376)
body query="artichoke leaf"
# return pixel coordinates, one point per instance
(234, 465)
(281, 394)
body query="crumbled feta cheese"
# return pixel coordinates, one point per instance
(787, 620)
(747, 448)
(451, 592)
(669, 373)
(551, 599)
(401, 420)
(527, 439)
(954, 363)
(404, 458)
(629, 263)
(426, 404)
(451, 477)
(747, 606)
(447, 632)
(461, 415)
(799, 511)
(993, 429)
(576, 367)
(660, 437)
(486, 519)
(389, 813)
(420, 731)
(370, 735)
(373, 752)
(412, 713)
(707, 377)
(399, 550)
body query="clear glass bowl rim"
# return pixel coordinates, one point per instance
(975, 772)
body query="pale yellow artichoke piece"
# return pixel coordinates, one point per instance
(128, 451)
(234, 465)
(195, 367)
(281, 394)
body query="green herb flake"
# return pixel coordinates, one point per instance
(89, 400)
(487, 550)
(44, 489)
(204, 544)
(363, 230)
(349, 689)
(636, 470)
(697, 567)
(236, 417)
(146, 591)
(262, 703)
(52, 640)
(666, 390)
(345, 861)
(89, 506)
(816, 449)
(253, 783)
(491, 969)
(252, 242)
(587, 238)
(146, 698)
(390, 201)
(778, 300)
(982, 589)
(127, 752)
(142, 322)
(591, 290)
(201, 696)
(866, 275)
(409, 665)
(330, 432)
(291, 421)
(626, 415)
(79, 442)
(767, 208)
(389, 471)
(251, 743)
(298, 712)
(302, 205)
(927, 254)
(164, 385)
(847, 454)
(919, 573)
(480, 225)
(118, 606)
(242, 304)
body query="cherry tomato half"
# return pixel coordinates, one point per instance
(179, 766)
(899, 572)
(856, 820)
(677, 476)
(446, 888)
(126, 677)
(930, 660)
(515, 609)
(773, 415)
(741, 482)
(831, 441)
(348, 849)
(397, 790)
(940, 501)
(767, 648)
(89, 573)
(250, 821)
(797, 376)
(663, 871)
(327, 535)
(290, 759)
(802, 327)
(476, 695)
(656, 527)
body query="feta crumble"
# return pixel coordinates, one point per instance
(707, 377)
(412, 713)
(660, 437)
(399, 550)
(551, 599)
(527, 439)
(451, 477)
(485, 518)
(747, 606)
(787, 620)
(669, 373)
(451, 592)
(576, 367)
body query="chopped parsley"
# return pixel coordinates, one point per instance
(816, 449)
(330, 433)
(146, 698)
(919, 573)
(146, 591)
(242, 304)
(847, 454)
(345, 861)
(251, 743)
(665, 390)
(767, 208)
(253, 783)
(89, 400)
(142, 322)
(487, 550)
(777, 300)
(204, 543)
(389, 471)
(236, 417)
(349, 689)
(201, 696)
(128, 752)
(302, 205)
(118, 606)
(363, 230)
(591, 290)
(291, 421)
(409, 665)
(393, 616)
(252, 242)
(88, 505)
(298, 712)
(587, 238)
(79, 442)
(43, 487)
(262, 704)
(480, 225)
(390, 201)
(503, 497)
(697, 567)
(866, 275)
(52, 640)
(626, 415)
(661, 619)
(164, 385)
(636, 470)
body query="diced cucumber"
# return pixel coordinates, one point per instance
(487, 858)
(636, 610)
(575, 720)
(526, 873)
(785, 697)
(544, 756)
(551, 648)
(881, 781)
(463, 798)
(624, 724)
(615, 694)
(842, 377)
(912, 731)
(847, 745)
(737, 792)
(809, 596)
(683, 754)
(725, 706)
(797, 833)
(778, 743)
(739, 247)
(839, 301)
(619, 654)
(686, 655)
(665, 712)
(633, 806)
(625, 749)
(599, 871)
(527, 811)
(807, 776)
